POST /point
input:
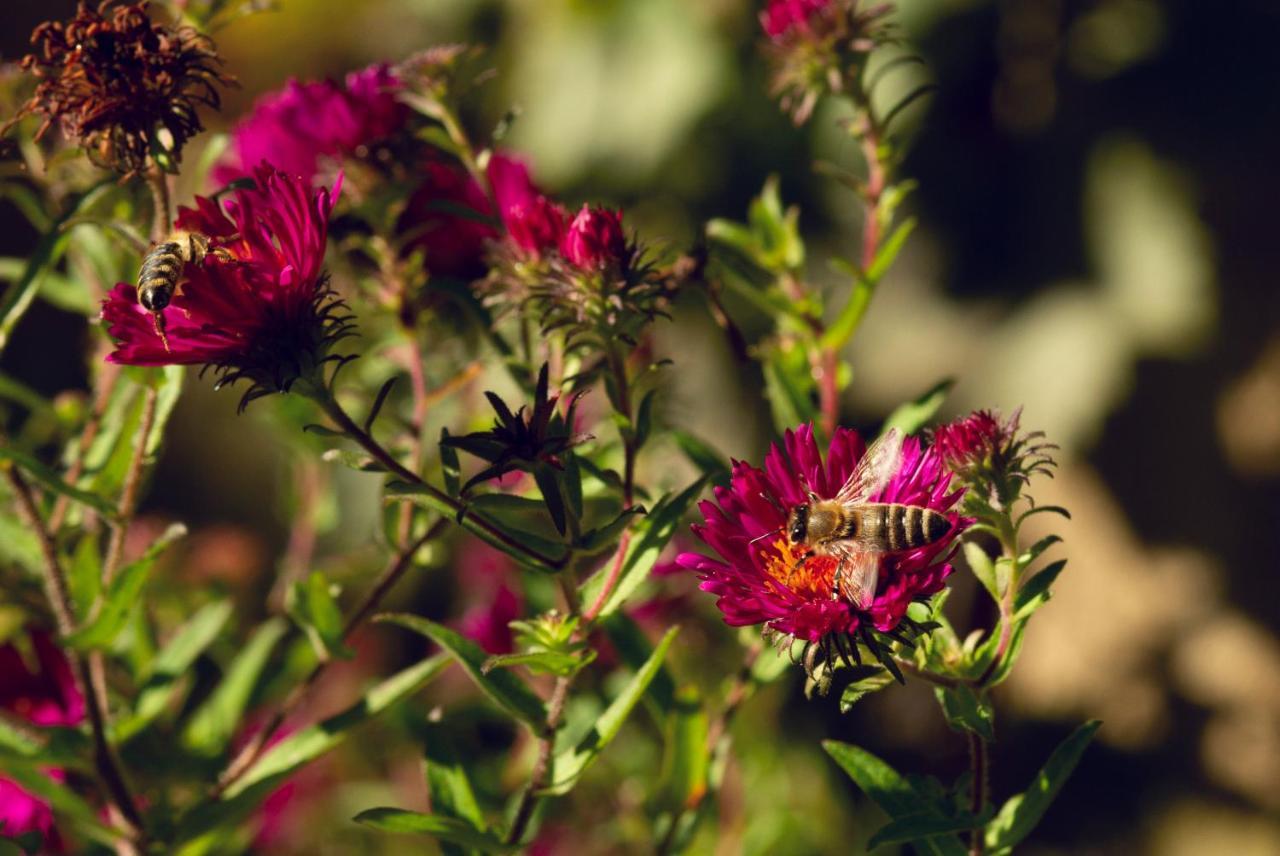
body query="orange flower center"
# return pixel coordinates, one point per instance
(786, 566)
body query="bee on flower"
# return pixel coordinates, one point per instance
(766, 570)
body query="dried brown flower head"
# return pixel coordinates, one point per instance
(123, 86)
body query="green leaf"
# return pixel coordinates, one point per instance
(168, 381)
(216, 721)
(450, 789)
(644, 418)
(703, 456)
(648, 539)
(48, 250)
(789, 387)
(504, 688)
(310, 743)
(915, 827)
(312, 604)
(1035, 591)
(1042, 509)
(422, 495)
(1035, 550)
(1019, 816)
(552, 496)
(914, 415)
(172, 665)
(571, 763)
(682, 781)
(52, 481)
(121, 597)
(965, 710)
(982, 566)
(871, 679)
(446, 829)
(850, 318)
(541, 662)
(892, 792)
(634, 650)
(450, 465)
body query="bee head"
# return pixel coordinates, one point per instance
(153, 299)
(798, 524)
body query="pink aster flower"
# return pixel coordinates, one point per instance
(42, 691)
(260, 310)
(490, 591)
(990, 455)
(299, 126)
(782, 18)
(595, 239)
(454, 243)
(534, 223)
(760, 577)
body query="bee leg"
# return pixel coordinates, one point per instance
(158, 318)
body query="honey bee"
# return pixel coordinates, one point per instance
(162, 269)
(858, 533)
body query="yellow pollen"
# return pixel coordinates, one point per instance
(786, 566)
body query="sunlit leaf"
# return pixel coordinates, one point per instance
(966, 710)
(1019, 816)
(571, 763)
(914, 415)
(447, 829)
(504, 688)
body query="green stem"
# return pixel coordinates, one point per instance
(329, 404)
(980, 766)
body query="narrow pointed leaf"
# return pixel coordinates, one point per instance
(634, 650)
(50, 480)
(649, 537)
(172, 665)
(504, 688)
(892, 792)
(216, 721)
(445, 829)
(682, 782)
(571, 763)
(311, 604)
(914, 415)
(121, 596)
(1019, 816)
(310, 743)
(965, 710)
(1035, 593)
(451, 791)
(915, 827)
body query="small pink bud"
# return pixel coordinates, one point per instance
(595, 238)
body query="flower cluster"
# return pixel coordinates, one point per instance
(303, 125)
(40, 690)
(581, 275)
(125, 87)
(815, 46)
(990, 456)
(761, 577)
(259, 310)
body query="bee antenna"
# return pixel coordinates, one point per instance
(765, 535)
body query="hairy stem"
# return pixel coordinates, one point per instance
(980, 766)
(160, 214)
(107, 379)
(252, 751)
(59, 596)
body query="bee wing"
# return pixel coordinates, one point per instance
(857, 573)
(879, 464)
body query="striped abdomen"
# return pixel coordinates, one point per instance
(158, 278)
(892, 527)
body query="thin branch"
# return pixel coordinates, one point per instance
(252, 751)
(59, 597)
(107, 383)
(979, 763)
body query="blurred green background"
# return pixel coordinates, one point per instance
(1097, 243)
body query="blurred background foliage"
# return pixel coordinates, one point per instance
(1096, 203)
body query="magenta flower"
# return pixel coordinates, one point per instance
(760, 577)
(534, 223)
(490, 589)
(991, 457)
(595, 239)
(454, 244)
(782, 18)
(264, 314)
(42, 692)
(302, 124)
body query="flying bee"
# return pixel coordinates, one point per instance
(162, 269)
(858, 533)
